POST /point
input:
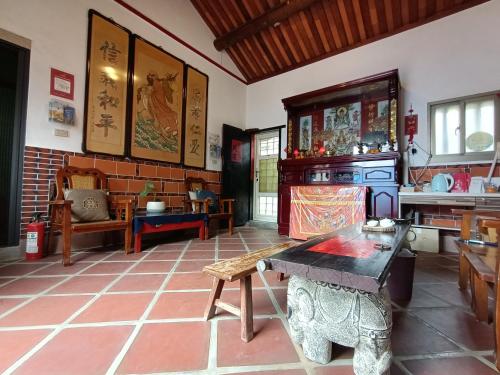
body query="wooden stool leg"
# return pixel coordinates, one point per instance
(66, 247)
(128, 239)
(138, 242)
(246, 308)
(214, 296)
(480, 299)
(66, 232)
(463, 272)
(201, 233)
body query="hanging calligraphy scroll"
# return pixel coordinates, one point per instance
(106, 86)
(196, 118)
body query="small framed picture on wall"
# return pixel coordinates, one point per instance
(62, 84)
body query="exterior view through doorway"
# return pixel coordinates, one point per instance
(266, 156)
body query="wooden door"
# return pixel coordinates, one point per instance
(236, 171)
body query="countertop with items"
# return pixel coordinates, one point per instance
(447, 194)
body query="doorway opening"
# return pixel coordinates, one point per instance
(14, 68)
(267, 145)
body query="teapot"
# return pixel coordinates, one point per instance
(442, 182)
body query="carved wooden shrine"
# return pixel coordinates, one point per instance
(357, 125)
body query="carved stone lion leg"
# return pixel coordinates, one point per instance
(372, 356)
(317, 348)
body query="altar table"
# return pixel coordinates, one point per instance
(336, 293)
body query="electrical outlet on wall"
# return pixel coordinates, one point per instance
(61, 132)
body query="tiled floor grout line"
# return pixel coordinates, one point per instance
(466, 352)
(212, 369)
(29, 274)
(401, 366)
(45, 291)
(451, 354)
(121, 355)
(62, 325)
(130, 322)
(213, 346)
(18, 296)
(454, 342)
(213, 343)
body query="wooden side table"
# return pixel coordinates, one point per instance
(145, 222)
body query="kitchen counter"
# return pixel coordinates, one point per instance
(484, 201)
(436, 194)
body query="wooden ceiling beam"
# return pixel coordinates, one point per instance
(264, 21)
(374, 17)
(333, 28)
(345, 21)
(359, 19)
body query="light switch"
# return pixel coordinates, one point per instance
(61, 132)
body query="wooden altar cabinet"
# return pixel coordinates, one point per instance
(337, 119)
(379, 172)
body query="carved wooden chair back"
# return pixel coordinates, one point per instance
(79, 178)
(195, 183)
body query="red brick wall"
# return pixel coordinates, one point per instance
(126, 177)
(441, 215)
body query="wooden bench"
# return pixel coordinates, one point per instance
(239, 268)
(468, 216)
(480, 274)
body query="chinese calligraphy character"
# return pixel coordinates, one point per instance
(110, 52)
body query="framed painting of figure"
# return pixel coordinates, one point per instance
(157, 103)
(195, 118)
(106, 86)
(305, 133)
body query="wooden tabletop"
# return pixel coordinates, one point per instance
(346, 257)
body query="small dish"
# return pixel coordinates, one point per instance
(386, 223)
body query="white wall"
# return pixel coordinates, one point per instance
(454, 56)
(58, 31)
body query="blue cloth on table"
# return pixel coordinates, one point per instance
(163, 218)
(204, 194)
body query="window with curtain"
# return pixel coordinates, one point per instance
(465, 129)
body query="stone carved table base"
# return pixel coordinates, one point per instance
(320, 313)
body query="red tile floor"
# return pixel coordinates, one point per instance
(142, 313)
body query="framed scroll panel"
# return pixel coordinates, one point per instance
(105, 112)
(157, 103)
(195, 118)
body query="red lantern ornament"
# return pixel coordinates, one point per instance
(296, 153)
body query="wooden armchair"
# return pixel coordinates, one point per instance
(225, 209)
(484, 273)
(60, 216)
(468, 225)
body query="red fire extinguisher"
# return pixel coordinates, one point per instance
(35, 237)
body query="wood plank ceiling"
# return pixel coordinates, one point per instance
(268, 37)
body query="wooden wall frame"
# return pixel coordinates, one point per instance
(156, 107)
(106, 86)
(195, 118)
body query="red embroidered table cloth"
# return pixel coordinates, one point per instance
(316, 210)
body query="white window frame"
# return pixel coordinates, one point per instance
(463, 156)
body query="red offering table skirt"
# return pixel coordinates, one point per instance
(316, 210)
